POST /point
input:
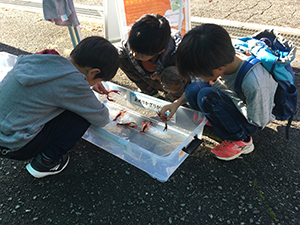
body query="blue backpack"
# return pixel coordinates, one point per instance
(275, 54)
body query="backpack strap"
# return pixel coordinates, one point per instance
(243, 72)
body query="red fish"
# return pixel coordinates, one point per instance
(145, 126)
(119, 115)
(129, 125)
(164, 119)
(102, 90)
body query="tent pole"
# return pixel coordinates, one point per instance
(75, 34)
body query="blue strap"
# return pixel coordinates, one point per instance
(273, 67)
(243, 72)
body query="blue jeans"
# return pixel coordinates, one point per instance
(55, 139)
(225, 118)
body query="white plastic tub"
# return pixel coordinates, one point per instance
(7, 61)
(159, 153)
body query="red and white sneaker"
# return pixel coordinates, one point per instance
(229, 150)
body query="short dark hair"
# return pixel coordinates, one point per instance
(170, 75)
(150, 34)
(97, 52)
(204, 48)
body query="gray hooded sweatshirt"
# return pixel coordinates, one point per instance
(39, 88)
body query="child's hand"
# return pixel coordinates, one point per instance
(172, 108)
(99, 88)
(211, 82)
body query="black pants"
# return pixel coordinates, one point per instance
(55, 139)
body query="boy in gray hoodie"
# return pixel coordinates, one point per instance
(47, 103)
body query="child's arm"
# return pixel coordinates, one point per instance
(172, 108)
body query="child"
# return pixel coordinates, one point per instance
(47, 104)
(149, 49)
(207, 52)
(173, 83)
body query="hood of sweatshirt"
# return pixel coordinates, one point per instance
(28, 74)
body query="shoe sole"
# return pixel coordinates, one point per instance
(38, 174)
(247, 151)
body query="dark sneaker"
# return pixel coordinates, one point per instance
(39, 169)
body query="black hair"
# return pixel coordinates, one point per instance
(170, 75)
(97, 52)
(150, 34)
(204, 48)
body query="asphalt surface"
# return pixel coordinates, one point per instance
(98, 188)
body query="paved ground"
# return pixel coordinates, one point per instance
(98, 188)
